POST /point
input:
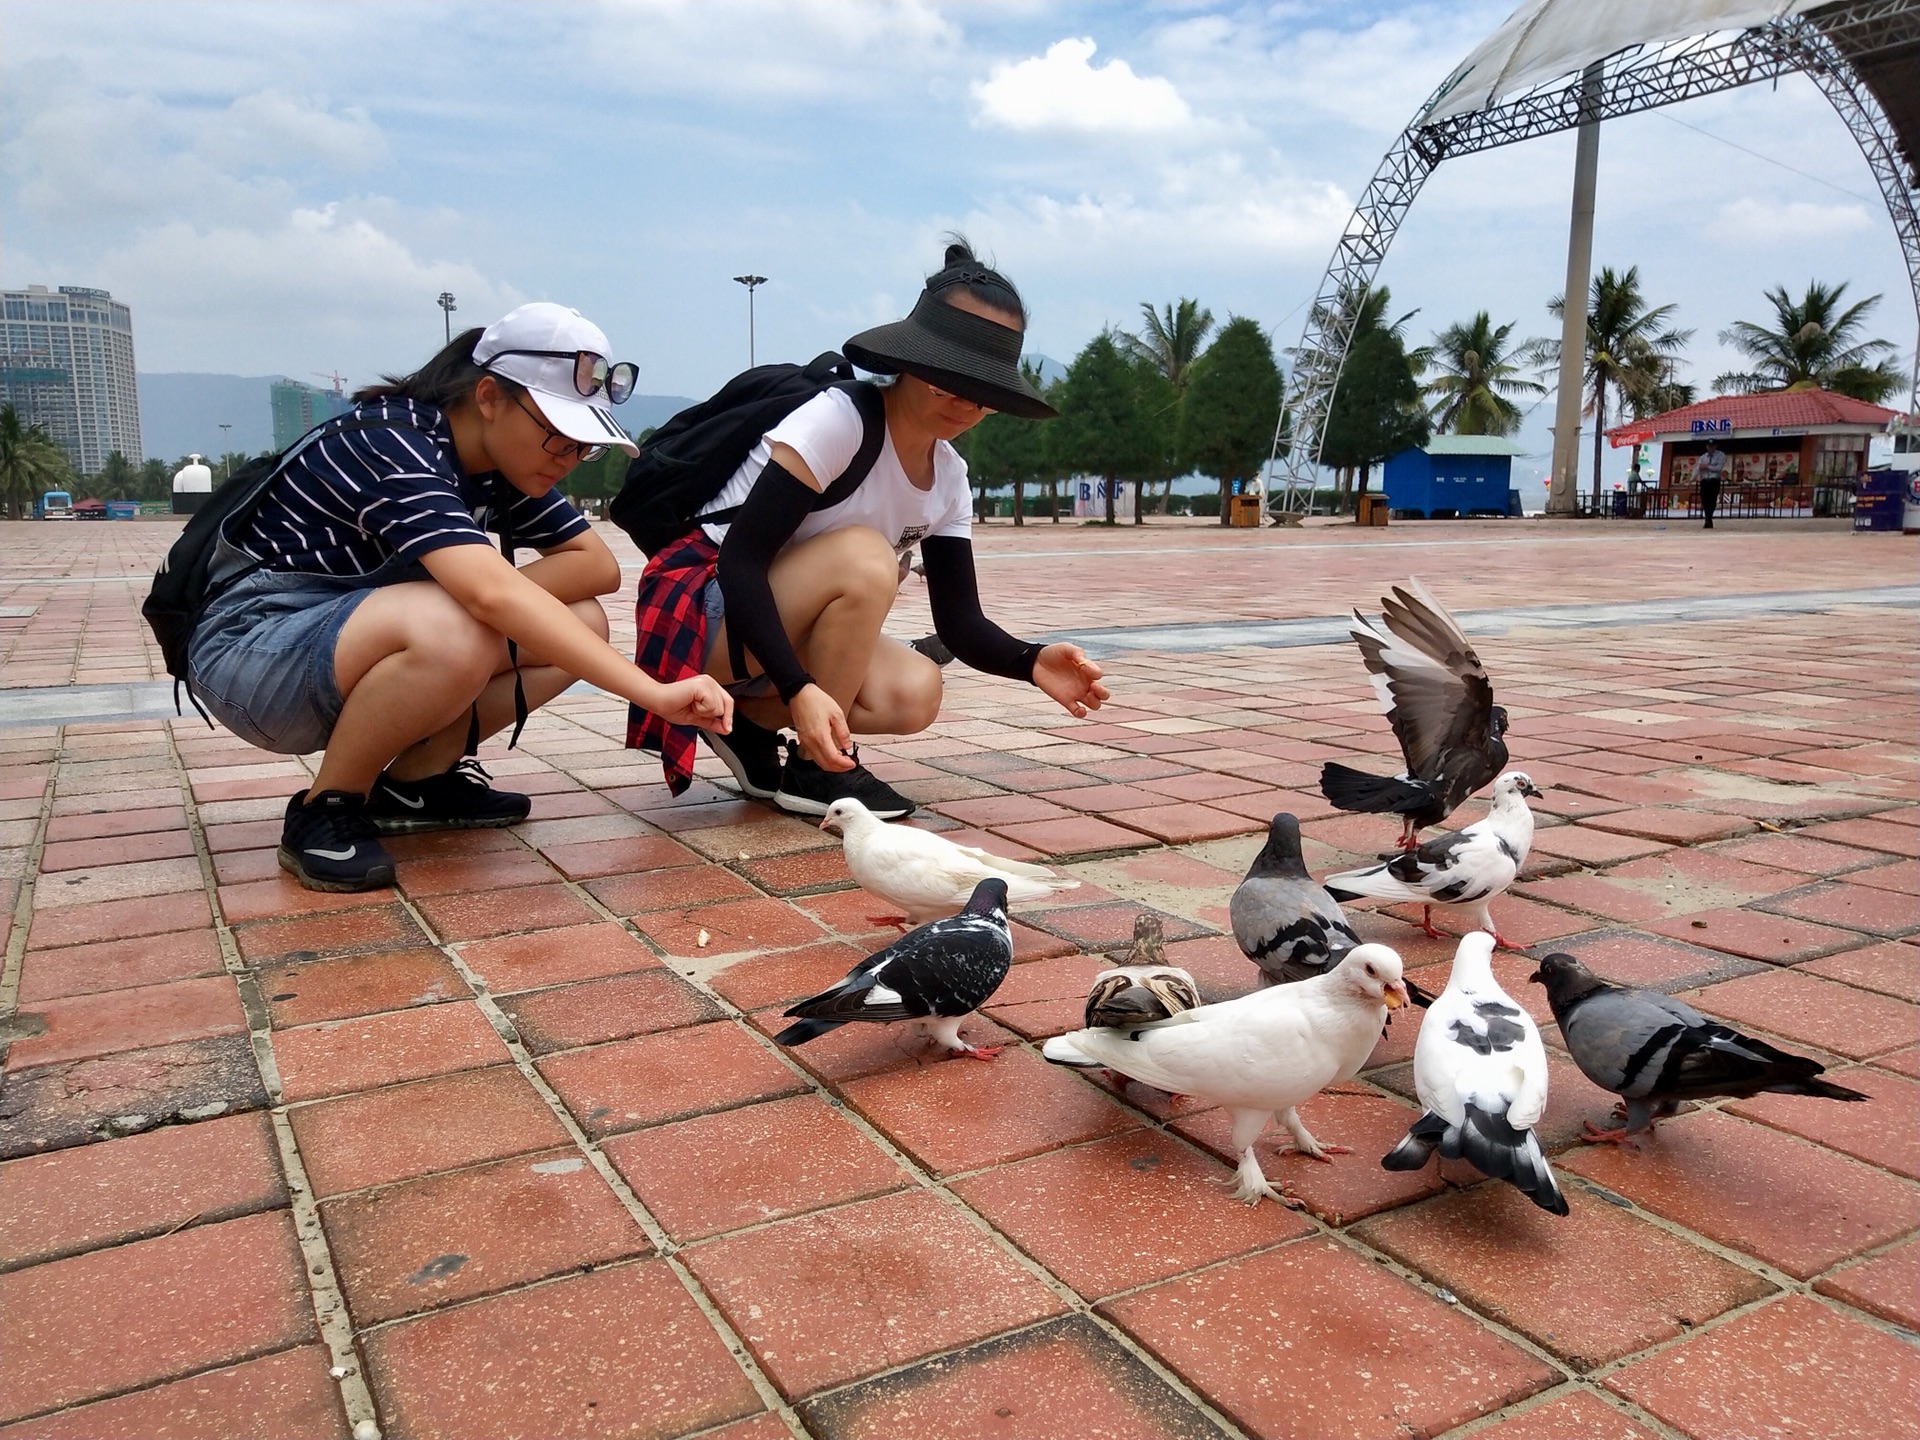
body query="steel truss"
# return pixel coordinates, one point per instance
(1636, 79)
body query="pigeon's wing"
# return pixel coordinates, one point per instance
(1286, 921)
(951, 966)
(1480, 1047)
(1624, 1040)
(1008, 867)
(862, 995)
(1430, 682)
(1378, 882)
(1457, 868)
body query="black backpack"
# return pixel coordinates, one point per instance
(180, 590)
(688, 460)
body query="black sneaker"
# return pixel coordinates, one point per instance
(461, 799)
(806, 789)
(752, 753)
(330, 843)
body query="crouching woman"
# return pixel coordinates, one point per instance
(361, 609)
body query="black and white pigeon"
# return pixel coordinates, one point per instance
(1436, 695)
(1143, 987)
(1466, 867)
(1481, 1071)
(936, 975)
(1284, 921)
(1654, 1051)
(1258, 1056)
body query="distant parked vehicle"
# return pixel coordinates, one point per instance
(90, 510)
(54, 505)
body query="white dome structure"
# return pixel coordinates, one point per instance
(192, 484)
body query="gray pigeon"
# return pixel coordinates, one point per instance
(1285, 923)
(1654, 1051)
(1143, 987)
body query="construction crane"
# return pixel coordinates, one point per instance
(339, 380)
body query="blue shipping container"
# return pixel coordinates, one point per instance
(1453, 476)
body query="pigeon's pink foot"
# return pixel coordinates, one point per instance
(1327, 1152)
(1500, 942)
(1426, 924)
(898, 922)
(1592, 1136)
(978, 1052)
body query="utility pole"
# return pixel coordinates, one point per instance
(1563, 496)
(753, 283)
(448, 307)
(226, 456)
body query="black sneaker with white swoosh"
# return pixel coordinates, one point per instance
(330, 843)
(460, 799)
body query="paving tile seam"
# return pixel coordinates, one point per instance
(23, 903)
(319, 1273)
(1576, 1385)
(664, 1248)
(171, 1378)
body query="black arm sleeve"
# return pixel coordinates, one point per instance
(774, 509)
(955, 596)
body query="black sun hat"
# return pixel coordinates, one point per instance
(973, 357)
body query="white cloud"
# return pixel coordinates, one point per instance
(1062, 90)
(1751, 222)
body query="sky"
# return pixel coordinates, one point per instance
(286, 187)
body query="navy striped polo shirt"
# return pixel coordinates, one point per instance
(350, 502)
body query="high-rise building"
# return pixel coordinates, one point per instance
(66, 365)
(297, 408)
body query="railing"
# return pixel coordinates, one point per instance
(1738, 501)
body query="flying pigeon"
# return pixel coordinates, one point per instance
(1436, 695)
(1462, 867)
(1481, 1071)
(925, 874)
(1258, 1056)
(1143, 987)
(938, 974)
(1655, 1051)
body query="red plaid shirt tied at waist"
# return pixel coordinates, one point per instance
(670, 618)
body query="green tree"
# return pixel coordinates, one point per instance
(30, 464)
(1171, 340)
(1008, 450)
(156, 481)
(117, 480)
(1813, 343)
(1474, 376)
(1631, 349)
(1231, 407)
(1377, 408)
(1103, 428)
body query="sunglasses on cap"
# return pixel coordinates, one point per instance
(561, 447)
(591, 373)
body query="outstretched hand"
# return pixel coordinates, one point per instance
(699, 701)
(822, 729)
(1064, 672)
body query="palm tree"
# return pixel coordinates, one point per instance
(30, 462)
(1368, 308)
(1475, 377)
(1630, 349)
(1171, 340)
(1813, 343)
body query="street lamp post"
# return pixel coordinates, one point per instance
(753, 283)
(448, 307)
(226, 455)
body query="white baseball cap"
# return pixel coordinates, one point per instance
(536, 346)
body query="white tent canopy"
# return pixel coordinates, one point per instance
(1546, 39)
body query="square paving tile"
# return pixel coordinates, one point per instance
(617, 855)
(623, 1351)
(735, 925)
(1673, 827)
(119, 919)
(408, 1130)
(963, 1114)
(1891, 968)
(552, 957)
(1018, 1387)
(666, 1076)
(1823, 1013)
(305, 992)
(1078, 835)
(1887, 1285)
(377, 927)
(614, 1009)
(373, 1050)
(1795, 1205)
(477, 915)
(491, 870)
(82, 1027)
(1776, 939)
(1577, 1415)
(1100, 1216)
(1868, 834)
(426, 1243)
(88, 1196)
(675, 889)
(843, 1293)
(1532, 1271)
(1359, 1346)
(1873, 909)
(1792, 1367)
(288, 1395)
(720, 1172)
(117, 965)
(153, 1310)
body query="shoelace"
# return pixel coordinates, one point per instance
(472, 771)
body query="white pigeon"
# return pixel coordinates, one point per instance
(1462, 867)
(1481, 1071)
(925, 874)
(1260, 1055)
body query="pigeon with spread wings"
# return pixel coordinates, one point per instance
(1436, 695)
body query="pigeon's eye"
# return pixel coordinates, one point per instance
(1373, 973)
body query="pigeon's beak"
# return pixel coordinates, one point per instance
(826, 822)
(1395, 995)
(1530, 789)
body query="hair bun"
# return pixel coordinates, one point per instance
(959, 253)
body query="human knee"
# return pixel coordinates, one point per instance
(914, 694)
(445, 636)
(865, 563)
(593, 615)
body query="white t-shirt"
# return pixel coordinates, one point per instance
(826, 433)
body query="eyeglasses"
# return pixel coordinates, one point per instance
(592, 373)
(561, 447)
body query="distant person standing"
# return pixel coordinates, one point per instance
(1712, 466)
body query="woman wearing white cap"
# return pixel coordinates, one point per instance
(361, 608)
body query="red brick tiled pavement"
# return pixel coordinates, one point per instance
(508, 1151)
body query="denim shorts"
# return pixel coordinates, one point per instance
(261, 659)
(754, 687)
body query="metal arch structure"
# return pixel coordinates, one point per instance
(1826, 48)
